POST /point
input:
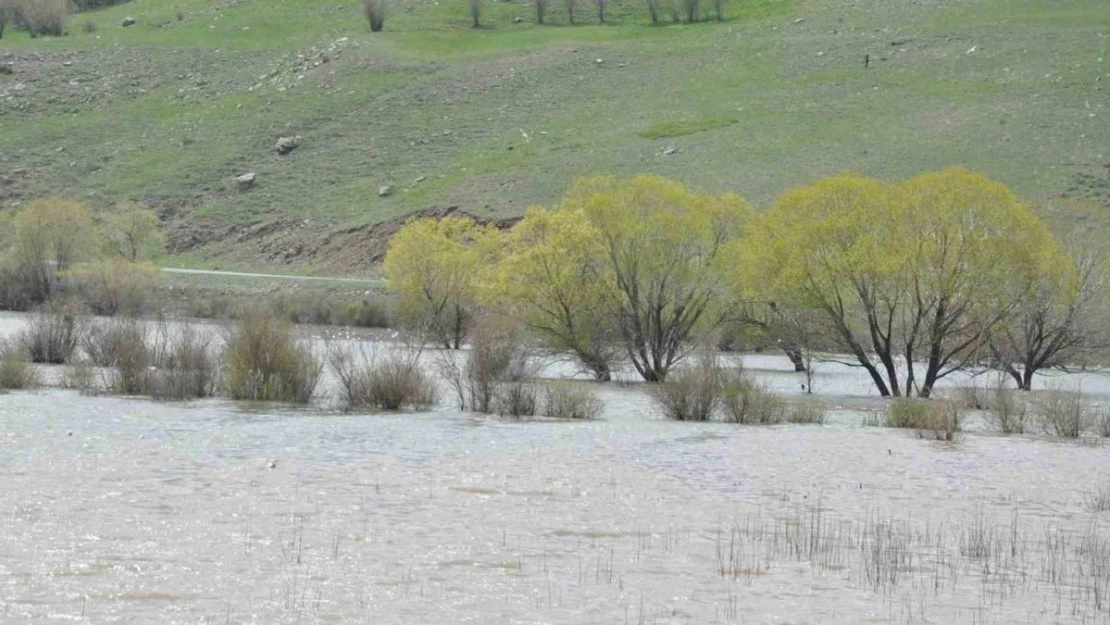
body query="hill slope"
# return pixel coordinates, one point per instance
(493, 120)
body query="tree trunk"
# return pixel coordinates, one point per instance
(795, 356)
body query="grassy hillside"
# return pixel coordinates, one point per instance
(493, 120)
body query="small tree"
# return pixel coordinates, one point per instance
(601, 10)
(570, 10)
(476, 7)
(719, 9)
(541, 8)
(131, 232)
(653, 10)
(6, 15)
(49, 235)
(432, 265)
(662, 245)
(375, 14)
(555, 280)
(1061, 321)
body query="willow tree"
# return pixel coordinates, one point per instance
(48, 236)
(910, 278)
(661, 244)
(1061, 322)
(432, 266)
(554, 278)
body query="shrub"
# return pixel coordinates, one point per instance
(187, 366)
(397, 382)
(690, 394)
(103, 343)
(1102, 421)
(44, 18)
(937, 418)
(516, 399)
(265, 361)
(567, 401)
(211, 307)
(80, 375)
(132, 367)
(972, 398)
(1007, 411)
(806, 412)
(1060, 412)
(53, 336)
(375, 14)
(312, 308)
(497, 356)
(747, 402)
(115, 286)
(16, 370)
(88, 27)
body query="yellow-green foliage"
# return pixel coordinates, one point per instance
(432, 265)
(54, 229)
(266, 362)
(16, 370)
(554, 278)
(115, 285)
(923, 268)
(131, 232)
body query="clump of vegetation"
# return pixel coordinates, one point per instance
(806, 412)
(80, 375)
(53, 336)
(1102, 421)
(129, 358)
(1099, 499)
(44, 18)
(748, 402)
(692, 393)
(1007, 411)
(317, 309)
(16, 369)
(114, 286)
(395, 382)
(375, 14)
(266, 362)
(497, 363)
(1059, 412)
(516, 399)
(104, 342)
(187, 366)
(936, 418)
(570, 401)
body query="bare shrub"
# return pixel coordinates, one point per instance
(747, 402)
(103, 342)
(375, 14)
(541, 9)
(690, 394)
(187, 366)
(1060, 412)
(569, 401)
(266, 362)
(476, 7)
(114, 286)
(806, 412)
(1007, 411)
(44, 18)
(1098, 500)
(498, 356)
(1102, 421)
(131, 371)
(394, 382)
(571, 4)
(516, 399)
(937, 419)
(653, 10)
(53, 335)
(16, 370)
(972, 397)
(80, 375)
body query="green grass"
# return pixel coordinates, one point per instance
(506, 116)
(664, 130)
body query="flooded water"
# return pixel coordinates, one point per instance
(118, 510)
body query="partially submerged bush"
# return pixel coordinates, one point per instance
(1102, 421)
(806, 412)
(16, 370)
(930, 417)
(570, 401)
(266, 362)
(1060, 412)
(498, 358)
(748, 402)
(80, 375)
(53, 336)
(187, 365)
(104, 342)
(394, 382)
(690, 394)
(516, 399)
(1007, 410)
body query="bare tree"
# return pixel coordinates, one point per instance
(1060, 323)
(570, 10)
(601, 10)
(653, 9)
(541, 8)
(5, 15)
(719, 8)
(476, 7)
(375, 14)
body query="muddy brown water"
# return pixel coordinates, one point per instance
(117, 510)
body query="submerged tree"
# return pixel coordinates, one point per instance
(911, 278)
(432, 266)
